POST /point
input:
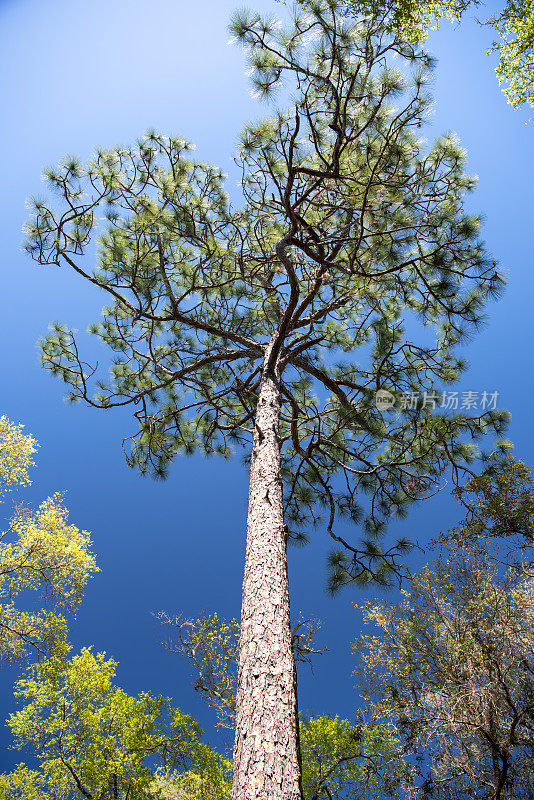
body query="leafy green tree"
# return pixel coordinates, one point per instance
(94, 741)
(172, 785)
(514, 25)
(211, 645)
(453, 665)
(500, 512)
(40, 552)
(343, 761)
(273, 325)
(16, 451)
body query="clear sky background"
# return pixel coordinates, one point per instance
(100, 72)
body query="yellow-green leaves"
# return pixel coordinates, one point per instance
(514, 25)
(93, 739)
(40, 552)
(48, 555)
(191, 785)
(82, 727)
(516, 66)
(341, 761)
(16, 451)
(415, 18)
(23, 784)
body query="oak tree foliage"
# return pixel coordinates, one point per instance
(341, 760)
(93, 741)
(40, 553)
(452, 665)
(513, 24)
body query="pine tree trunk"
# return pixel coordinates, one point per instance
(266, 752)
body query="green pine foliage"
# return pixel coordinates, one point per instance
(351, 253)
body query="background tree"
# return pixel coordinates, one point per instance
(94, 741)
(241, 327)
(340, 760)
(346, 761)
(500, 513)
(40, 552)
(173, 785)
(16, 451)
(211, 645)
(453, 665)
(514, 26)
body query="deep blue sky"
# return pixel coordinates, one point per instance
(99, 72)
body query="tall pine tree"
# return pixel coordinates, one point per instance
(350, 267)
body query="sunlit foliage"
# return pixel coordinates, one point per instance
(40, 554)
(351, 258)
(514, 25)
(94, 740)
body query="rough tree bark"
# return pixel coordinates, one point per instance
(266, 752)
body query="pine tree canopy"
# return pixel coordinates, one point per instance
(350, 260)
